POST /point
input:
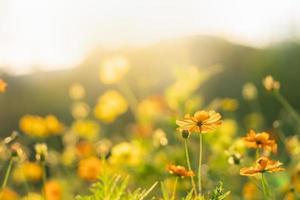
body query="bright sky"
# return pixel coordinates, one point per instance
(57, 34)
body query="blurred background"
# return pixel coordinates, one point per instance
(45, 46)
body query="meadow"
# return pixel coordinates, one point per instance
(171, 143)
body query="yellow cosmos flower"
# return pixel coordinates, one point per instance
(151, 109)
(87, 129)
(110, 105)
(3, 86)
(179, 171)
(201, 122)
(89, 168)
(126, 153)
(260, 140)
(80, 110)
(28, 171)
(249, 91)
(229, 104)
(113, 69)
(37, 126)
(8, 194)
(53, 190)
(263, 164)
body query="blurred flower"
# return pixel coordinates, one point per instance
(8, 194)
(201, 122)
(103, 147)
(3, 86)
(270, 84)
(76, 91)
(84, 149)
(86, 129)
(54, 126)
(188, 80)
(27, 171)
(263, 164)
(293, 145)
(80, 110)
(41, 151)
(110, 105)
(295, 180)
(126, 154)
(249, 91)
(151, 109)
(113, 69)
(37, 126)
(89, 168)
(33, 196)
(229, 104)
(17, 151)
(179, 171)
(160, 138)
(235, 159)
(250, 191)
(68, 156)
(260, 140)
(53, 190)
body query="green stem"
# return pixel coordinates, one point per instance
(265, 187)
(174, 188)
(257, 153)
(287, 106)
(7, 173)
(200, 164)
(189, 166)
(132, 100)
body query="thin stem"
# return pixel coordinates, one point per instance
(189, 166)
(200, 164)
(287, 106)
(265, 187)
(174, 188)
(257, 153)
(7, 173)
(132, 100)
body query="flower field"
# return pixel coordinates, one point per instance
(167, 145)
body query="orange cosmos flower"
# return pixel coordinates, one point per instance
(260, 140)
(2, 86)
(202, 121)
(53, 190)
(89, 168)
(263, 164)
(179, 171)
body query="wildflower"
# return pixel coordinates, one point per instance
(270, 84)
(113, 69)
(110, 105)
(260, 140)
(17, 151)
(150, 109)
(54, 126)
(84, 149)
(249, 91)
(89, 168)
(53, 190)
(201, 122)
(8, 194)
(126, 153)
(229, 104)
(28, 171)
(263, 164)
(179, 171)
(160, 138)
(250, 191)
(80, 110)
(87, 129)
(41, 151)
(3, 86)
(76, 91)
